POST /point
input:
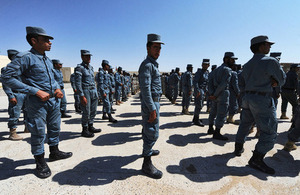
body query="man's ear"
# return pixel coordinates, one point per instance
(34, 41)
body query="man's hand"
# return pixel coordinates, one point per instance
(58, 93)
(13, 101)
(212, 97)
(44, 96)
(104, 95)
(152, 116)
(83, 100)
(190, 92)
(75, 90)
(198, 94)
(274, 83)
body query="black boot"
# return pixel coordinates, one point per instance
(85, 132)
(256, 162)
(42, 169)
(217, 135)
(198, 122)
(112, 110)
(239, 149)
(64, 115)
(92, 129)
(111, 119)
(56, 154)
(149, 169)
(77, 109)
(104, 117)
(154, 153)
(210, 130)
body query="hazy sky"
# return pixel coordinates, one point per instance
(116, 30)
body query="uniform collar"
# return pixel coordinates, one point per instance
(37, 53)
(85, 65)
(152, 60)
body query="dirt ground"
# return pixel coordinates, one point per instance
(110, 163)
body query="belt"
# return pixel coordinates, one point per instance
(259, 93)
(88, 87)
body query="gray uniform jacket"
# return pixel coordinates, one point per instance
(219, 80)
(150, 83)
(35, 71)
(258, 73)
(84, 78)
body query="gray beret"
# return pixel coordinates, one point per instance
(205, 61)
(37, 31)
(154, 38)
(55, 61)
(105, 62)
(260, 39)
(85, 52)
(12, 52)
(230, 55)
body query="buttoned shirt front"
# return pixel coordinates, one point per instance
(34, 69)
(149, 81)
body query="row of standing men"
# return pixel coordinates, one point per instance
(225, 91)
(35, 83)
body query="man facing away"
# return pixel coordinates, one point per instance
(150, 86)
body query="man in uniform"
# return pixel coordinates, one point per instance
(119, 85)
(208, 101)
(259, 75)
(277, 89)
(104, 82)
(150, 86)
(187, 88)
(200, 88)
(85, 85)
(218, 87)
(76, 95)
(174, 81)
(43, 99)
(16, 103)
(112, 88)
(289, 90)
(58, 76)
(234, 92)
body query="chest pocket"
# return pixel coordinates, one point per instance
(36, 69)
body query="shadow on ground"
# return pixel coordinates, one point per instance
(9, 168)
(116, 139)
(194, 138)
(175, 125)
(214, 168)
(126, 123)
(130, 114)
(98, 171)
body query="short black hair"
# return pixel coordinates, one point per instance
(149, 44)
(254, 48)
(30, 36)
